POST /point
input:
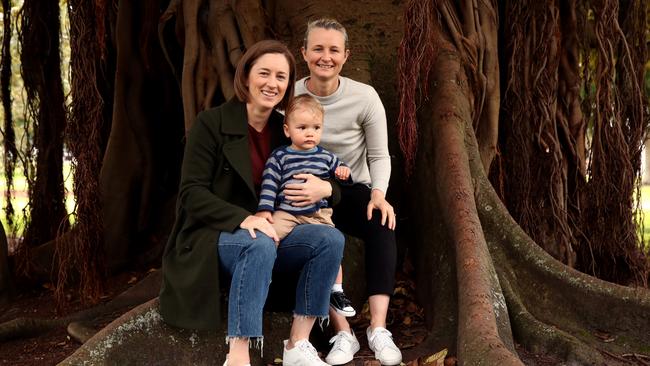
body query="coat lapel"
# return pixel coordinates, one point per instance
(234, 122)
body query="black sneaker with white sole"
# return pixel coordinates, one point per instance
(341, 304)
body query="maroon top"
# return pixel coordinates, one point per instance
(259, 145)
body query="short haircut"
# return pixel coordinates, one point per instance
(251, 56)
(303, 101)
(325, 23)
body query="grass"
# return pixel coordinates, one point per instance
(645, 215)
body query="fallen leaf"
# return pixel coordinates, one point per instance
(437, 359)
(407, 320)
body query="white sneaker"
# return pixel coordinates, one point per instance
(380, 341)
(345, 346)
(302, 354)
(225, 363)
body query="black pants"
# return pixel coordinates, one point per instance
(381, 249)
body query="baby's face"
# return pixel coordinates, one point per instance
(304, 127)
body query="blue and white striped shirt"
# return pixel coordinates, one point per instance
(279, 170)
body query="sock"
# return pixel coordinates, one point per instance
(337, 287)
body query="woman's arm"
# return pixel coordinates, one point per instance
(376, 133)
(312, 190)
(376, 136)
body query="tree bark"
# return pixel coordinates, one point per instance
(547, 306)
(507, 287)
(6, 282)
(483, 326)
(139, 175)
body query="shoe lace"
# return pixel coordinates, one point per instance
(382, 338)
(340, 342)
(342, 300)
(309, 351)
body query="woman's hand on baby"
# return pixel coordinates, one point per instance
(312, 190)
(378, 202)
(342, 173)
(265, 215)
(252, 223)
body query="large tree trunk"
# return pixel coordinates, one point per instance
(505, 286)
(546, 306)
(139, 175)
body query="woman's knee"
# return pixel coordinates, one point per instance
(263, 247)
(332, 239)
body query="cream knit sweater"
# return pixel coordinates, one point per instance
(355, 130)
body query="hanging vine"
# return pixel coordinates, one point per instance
(619, 115)
(39, 39)
(418, 43)
(10, 155)
(82, 254)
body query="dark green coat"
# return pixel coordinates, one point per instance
(216, 194)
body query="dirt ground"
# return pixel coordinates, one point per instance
(405, 320)
(53, 346)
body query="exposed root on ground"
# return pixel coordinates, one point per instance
(80, 323)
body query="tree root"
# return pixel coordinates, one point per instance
(81, 331)
(551, 305)
(484, 331)
(78, 323)
(209, 58)
(250, 19)
(540, 337)
(190, 56)
(27, 327)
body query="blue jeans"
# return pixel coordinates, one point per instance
(313, 250)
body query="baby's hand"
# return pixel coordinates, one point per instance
(342, 173)
(265, 215)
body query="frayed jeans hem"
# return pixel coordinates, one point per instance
(253, 342)
(320, 318)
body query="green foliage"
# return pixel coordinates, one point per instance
(20, 200)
